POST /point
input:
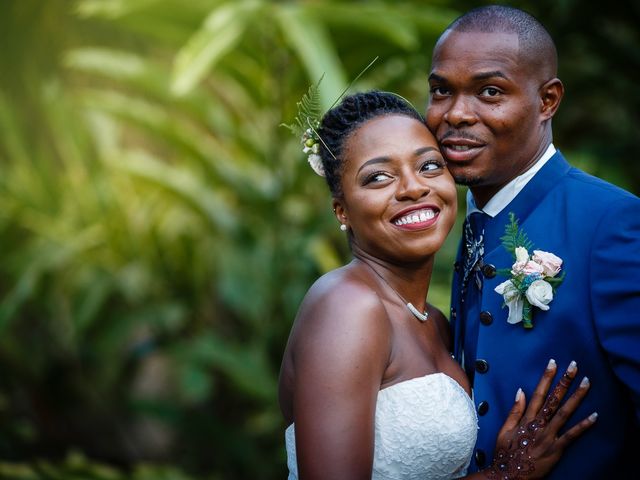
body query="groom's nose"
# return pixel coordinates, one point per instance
(460, 112)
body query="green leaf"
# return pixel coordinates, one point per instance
(247, 366)
(221, 32)
(316, 51)
(184, 184)
(309, 111)
(514, 237)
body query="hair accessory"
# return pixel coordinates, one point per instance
(343, 227)
(306, 126)
(312, 147)
(308, 119)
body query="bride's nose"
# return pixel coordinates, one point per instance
(412, 186)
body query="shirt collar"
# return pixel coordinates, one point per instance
(506, 194)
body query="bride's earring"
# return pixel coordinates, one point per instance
(343, 227)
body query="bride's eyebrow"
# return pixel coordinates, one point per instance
(422, 150)
(374, 161)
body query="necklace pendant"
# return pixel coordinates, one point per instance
(417, 313)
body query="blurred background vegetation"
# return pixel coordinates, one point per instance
(158, 228)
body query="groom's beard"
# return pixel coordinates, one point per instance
(466, 180)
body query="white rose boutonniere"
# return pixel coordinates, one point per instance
(533, 278)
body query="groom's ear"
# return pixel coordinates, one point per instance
(551, 94)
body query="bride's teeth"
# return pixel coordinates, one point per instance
(421, 216)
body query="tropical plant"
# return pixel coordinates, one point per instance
(160, 228)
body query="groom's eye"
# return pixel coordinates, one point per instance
(439, 91)
(490, 92)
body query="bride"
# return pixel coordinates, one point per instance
(367, 385)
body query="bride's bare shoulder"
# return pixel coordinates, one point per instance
(347, 293)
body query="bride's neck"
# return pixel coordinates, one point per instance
(411, 280)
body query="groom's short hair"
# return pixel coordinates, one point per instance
(535, 42)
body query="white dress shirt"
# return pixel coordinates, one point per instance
(506, 194)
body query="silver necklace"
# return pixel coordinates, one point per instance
(422, 316)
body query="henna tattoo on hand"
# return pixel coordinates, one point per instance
(515, 462)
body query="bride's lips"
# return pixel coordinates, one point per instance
(457, 149)
(417, 217)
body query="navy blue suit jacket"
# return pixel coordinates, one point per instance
(594, 318)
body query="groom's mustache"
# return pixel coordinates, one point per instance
(460, 135)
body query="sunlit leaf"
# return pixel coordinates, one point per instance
(221, 31)
(315, 50)
(217, 208)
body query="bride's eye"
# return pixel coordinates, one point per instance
(376, 177)
(431, 166)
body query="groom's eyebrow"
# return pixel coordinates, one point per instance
(489, 75)
(436, 78)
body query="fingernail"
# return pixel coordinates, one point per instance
(573, 366)
(551, 365)
(518, 394)
(585, 382)
(593, 417)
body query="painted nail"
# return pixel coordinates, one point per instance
(518, 394)
(585, 382)
(551, 365)
(573, 366)
(593, 417)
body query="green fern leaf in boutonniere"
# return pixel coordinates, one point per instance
(514, 237)
(533, 278)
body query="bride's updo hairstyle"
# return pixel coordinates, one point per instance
(342, 120)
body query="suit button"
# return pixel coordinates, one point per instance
(483, 408)
(489, 270)
(486, 318)
(481, 458)
(457, 267)
(482, 366)
(453, 312)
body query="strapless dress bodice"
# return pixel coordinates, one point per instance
(425, 428)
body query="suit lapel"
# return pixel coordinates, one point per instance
(526, 201)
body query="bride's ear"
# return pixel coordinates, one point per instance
(340, 212)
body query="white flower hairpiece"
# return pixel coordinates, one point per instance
(311, 147)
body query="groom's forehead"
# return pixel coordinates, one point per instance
(472, 42)
(476, 53)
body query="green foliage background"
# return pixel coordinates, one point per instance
(158, 228)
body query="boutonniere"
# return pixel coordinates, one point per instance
(533, 279)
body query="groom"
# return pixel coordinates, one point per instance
(494, 92)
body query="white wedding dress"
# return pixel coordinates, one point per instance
(425, 428)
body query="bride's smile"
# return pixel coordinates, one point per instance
(417, 218)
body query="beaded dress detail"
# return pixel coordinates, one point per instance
(425, 427)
